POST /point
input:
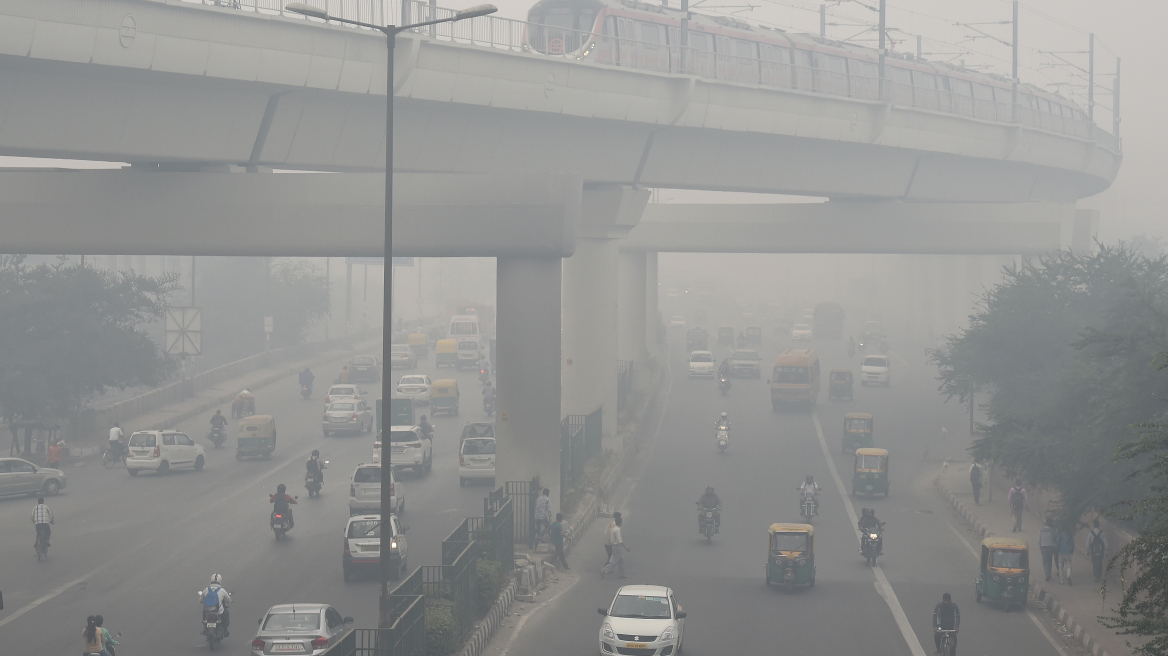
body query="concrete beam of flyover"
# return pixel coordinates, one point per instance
(862, 227)
(286, 214)
(141, 81)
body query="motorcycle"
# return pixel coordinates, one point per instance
(484, 376)
(282, 522)
(723, 438)
(306, 391)
(313, 481)
(706, 522)
(807, 508)
(213, 629)
(724, 383)
(870, 545)
(217, 435)
(489, 405)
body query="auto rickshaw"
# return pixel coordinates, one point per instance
(726, 336)
(243, 405)
(754, 337)
(790, 555)
(444, 396)
(857, 431)
(419, 344)
(839, 384)
(871, 475)
(257, 437)
(447, 350)
(697, 339)
(1005, 571)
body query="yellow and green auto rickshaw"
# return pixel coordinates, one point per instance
(790, 555)
(447, 350)
(857, 431)
(839, 384)
(257, 437)
(871, 475)
(1005, 571)
(420, 345)
(444, 396)
(726, 336)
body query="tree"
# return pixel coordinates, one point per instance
(68, 333)
(1064, 345)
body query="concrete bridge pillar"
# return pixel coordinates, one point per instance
(631, 311)
(527, 420)
(590, 294)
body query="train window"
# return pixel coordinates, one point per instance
(701, 41)
(902, 93)
(926, 89)
(650, 34)
(775, 54)
(744, 49)
(864, 78)
(803, 72)
(833, 75)
(774, 66)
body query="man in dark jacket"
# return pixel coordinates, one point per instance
(946, 617)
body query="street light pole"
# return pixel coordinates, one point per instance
(390, 32)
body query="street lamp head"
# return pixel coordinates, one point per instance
(307, 10)
(477, 10)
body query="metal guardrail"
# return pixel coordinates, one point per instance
(406, 635)
(772, 68)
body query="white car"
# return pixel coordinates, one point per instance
(363, 545)
(677, 321)
(343, 391)
(347, 415)
(701, 364)
(162, 451)
(415, 388)
(875, 370)
(801, 331)
(365, 490)
(409, 447)
(642, 619)
(476, 460)
(309, 629)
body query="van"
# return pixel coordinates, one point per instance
(795, 378)
(876, 369)
(465, 327)
(469, 354)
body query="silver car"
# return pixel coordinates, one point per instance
(746, 364)
(351, 415)
(299, 629)
(19, 476)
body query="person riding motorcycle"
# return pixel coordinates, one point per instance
(810, 490)
(724, 369)
(281, 502)
(216, 599)
(306, 378)
(710, 501)
(488, 393)
(315, 467)
(724, 419)
(869, 523)
(427, 428)
(218, 420)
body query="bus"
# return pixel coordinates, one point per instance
(795, 378)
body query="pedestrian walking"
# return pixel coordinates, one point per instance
(556, 531)
(975, 481)
(1097, 548)
(1019, 501)
(617, 560)
(543, 514)
(1066, 548)
(1048, 545)
(608, 536)
(54, 456)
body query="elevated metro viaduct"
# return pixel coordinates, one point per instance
(498, 153)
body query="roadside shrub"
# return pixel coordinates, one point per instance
(489, 584)
(441, 630)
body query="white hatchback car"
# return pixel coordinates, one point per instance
(416, 388)
(476, 460)
(876, 370)
(162, 451)
(363, 545)
(642, 619)
(365, 490)
(409, 447)
(701, 364)
(801, 331)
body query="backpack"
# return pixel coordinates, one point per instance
(1097, 546)
(1017, 501)
(211, 599)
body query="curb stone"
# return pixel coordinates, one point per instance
(1047, 600)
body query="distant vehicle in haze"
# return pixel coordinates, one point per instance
(365, 368)
(829, 321)
(415, 387)
(347, 415)
(876, 370)
(400, 357)
(802, 332)
(343, 391)
(795, 378)
(701, 364)
(746, 363)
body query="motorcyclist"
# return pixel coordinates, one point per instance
(216, 599)
(868, 523)
(710, 501)
(427, 428)
(41, 518)
(810, 490)
(724, 368)
(723, 420)
(218, 420)
(281, 502)
(489, 393)
(306, 378)
(315, 467)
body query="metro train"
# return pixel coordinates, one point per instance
(645, 36)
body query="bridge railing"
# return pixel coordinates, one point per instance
(767, 66)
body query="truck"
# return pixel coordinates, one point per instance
(828, 321)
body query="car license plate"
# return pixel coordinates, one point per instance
(288, 646)
(211, 625)
(636, 645)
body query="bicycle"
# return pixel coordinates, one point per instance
(948, 639)
(111, 457)
(42, 550)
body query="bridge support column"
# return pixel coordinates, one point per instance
(527, 423)
(631, 312)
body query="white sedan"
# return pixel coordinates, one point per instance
(642, 619)
(416, 388)
(801, 331)
(701, 364)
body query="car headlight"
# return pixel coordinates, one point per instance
(667, 634)
(607, 631)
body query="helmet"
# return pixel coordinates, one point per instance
(216, 579)
(723, 415)
(281, 488)
(315, 453)
(810, 478)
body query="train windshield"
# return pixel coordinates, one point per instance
(561, 26)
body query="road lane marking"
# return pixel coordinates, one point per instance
(45, 598)
(1033, 618)
(882, 584)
